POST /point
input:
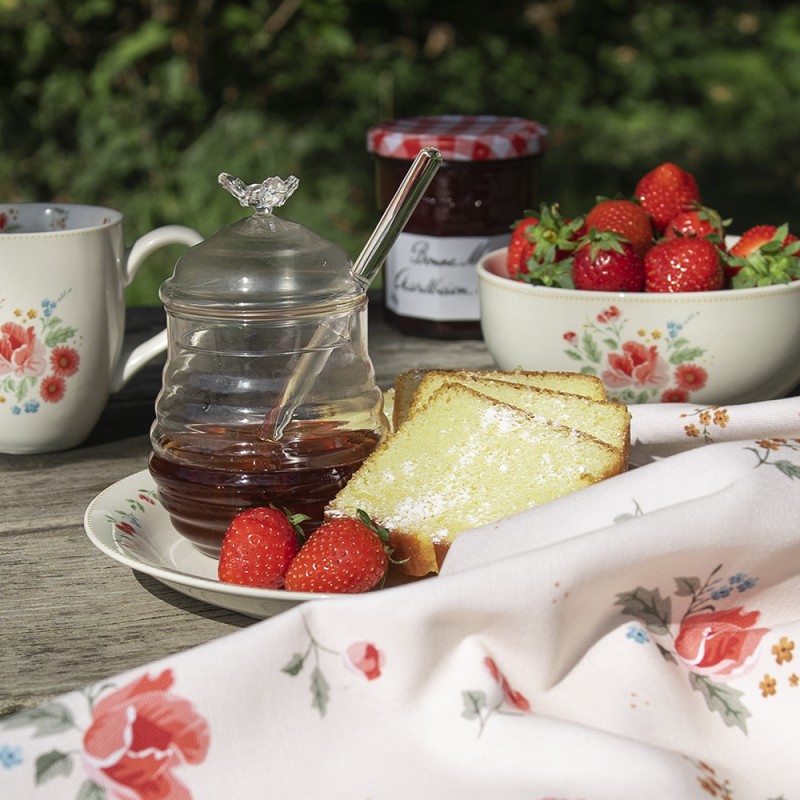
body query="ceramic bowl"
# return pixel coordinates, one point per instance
(725, 347)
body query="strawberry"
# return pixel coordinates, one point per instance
(665, 192)
(258, 548)
(343, 555)
(688, 264)
(520, 247)
(698, 221)
(624, 217)
(765, 255)
(757, 236)
(608, 263)
(554, 238)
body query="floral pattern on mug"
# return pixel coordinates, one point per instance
(56, 215)
(651, 366)
(9, 221)
(36, 365)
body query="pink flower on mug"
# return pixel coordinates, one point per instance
(365, 659)
(139, 734)
(637, 365)
(64, 361)
(52, 389)
(21, 351)
(719, 644)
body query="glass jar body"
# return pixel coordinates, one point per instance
(211, 456)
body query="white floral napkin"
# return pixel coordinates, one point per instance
(634, 640)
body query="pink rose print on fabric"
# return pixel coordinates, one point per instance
(712, 645)
(720, 644)
(511, 696)
(139, 734)
(478, 705)
(365, 659)
(22, 353)
(637, 365)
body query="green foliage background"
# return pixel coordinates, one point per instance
(139, 105)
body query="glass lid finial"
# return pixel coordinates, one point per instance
(264, 196)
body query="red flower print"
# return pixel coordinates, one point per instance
(691, 377)
(21, 352)
(512, 696)
(570, 336)
(612, 312)
(719, 644)
(64, 361)
(52, 389)
(138, 735)
(126, 527)
(675, 395)
(365, 659)
(637, 365)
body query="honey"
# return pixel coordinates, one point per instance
(205, 478)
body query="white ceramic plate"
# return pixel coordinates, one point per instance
(128, 524)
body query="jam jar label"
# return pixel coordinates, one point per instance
(435, 277)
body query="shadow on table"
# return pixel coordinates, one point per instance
(185, 603)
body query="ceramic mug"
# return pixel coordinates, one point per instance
(62, 319)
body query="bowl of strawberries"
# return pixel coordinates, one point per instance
(652, 294)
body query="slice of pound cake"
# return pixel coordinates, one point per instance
(407, 383)
(463, 460)
(608, 422)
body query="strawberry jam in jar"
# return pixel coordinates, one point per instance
(487, 179)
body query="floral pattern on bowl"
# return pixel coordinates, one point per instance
(645, 366)
(36, 365)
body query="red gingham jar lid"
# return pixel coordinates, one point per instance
(458, 137)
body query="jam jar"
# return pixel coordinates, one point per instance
(487, 179)
(269, 395)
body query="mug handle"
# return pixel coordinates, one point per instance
(132, 362)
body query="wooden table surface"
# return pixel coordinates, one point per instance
(69, 615)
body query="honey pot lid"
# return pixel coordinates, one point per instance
(261, 262)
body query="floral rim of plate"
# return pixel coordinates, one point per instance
(127, 523)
